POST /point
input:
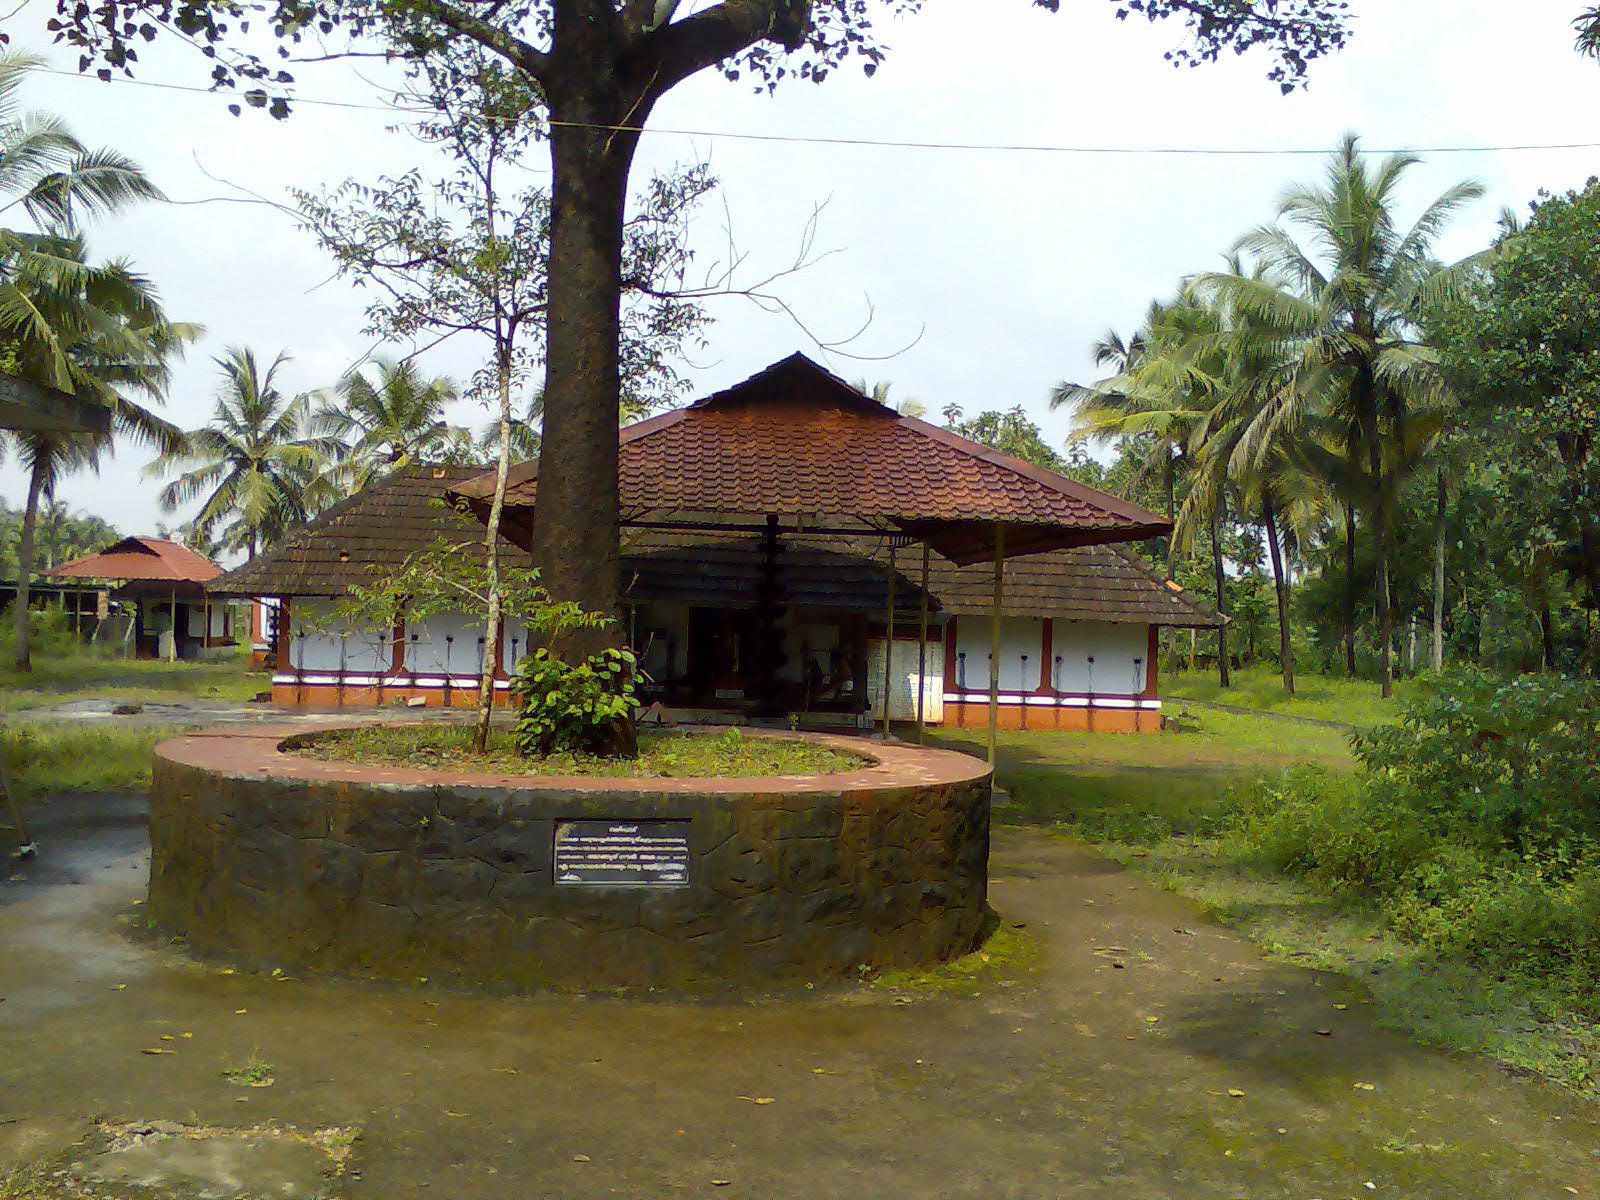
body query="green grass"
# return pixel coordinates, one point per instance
(1143, 787)
(1437, 1001)
(45, 760)
(1320, 697)
(1157, 803)
(57, 678)
(684, 755)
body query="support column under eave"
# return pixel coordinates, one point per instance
(888, 642)
(922, 650)
(994, 638)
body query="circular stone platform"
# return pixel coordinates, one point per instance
(279, 860)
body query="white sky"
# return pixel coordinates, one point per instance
(1008, 265)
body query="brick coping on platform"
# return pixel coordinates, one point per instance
(258, 752)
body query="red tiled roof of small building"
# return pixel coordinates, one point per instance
(797, 441)
(141, 558)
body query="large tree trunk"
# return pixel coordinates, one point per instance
(1223, 676)
(1441, 503)
(490, 665)
(21, 649)
(1280, 582)
(575, 524)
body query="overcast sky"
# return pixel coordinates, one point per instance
(989, 274)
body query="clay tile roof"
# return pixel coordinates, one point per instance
(795, 440)
(403, 513)
(375, 528)
(141, 558)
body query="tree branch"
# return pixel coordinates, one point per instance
(523, 55)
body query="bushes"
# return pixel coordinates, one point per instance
(577, 708)
(1474, 826)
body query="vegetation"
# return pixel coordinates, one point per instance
(386, 417)
(93, 330)
(661, 754)
(47, 760)
(259, 472)
(1446, 857)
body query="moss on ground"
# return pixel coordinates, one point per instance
(1007, 952)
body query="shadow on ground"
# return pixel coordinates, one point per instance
(1148, 1054)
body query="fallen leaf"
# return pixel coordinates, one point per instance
(758, 1099)
(156, 1050)
(239, 1012)
(1367, 1087)
(119, 987)
(1341, 1007)
(1323, 1032)
(1235, 1091)
(167, 1037)
(505, 1070)
(721, 1182)
(186, 1035)
(581, 1158)
(450, 1112)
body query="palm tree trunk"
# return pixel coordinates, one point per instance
(1438, 573)
(1172, 575)
(491, 626)
(21, 650)
(1366, 397)
(1222, 593)
(1350, 592)
(1280, 581)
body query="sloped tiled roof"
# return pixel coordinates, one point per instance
(140, 558)
(403, 513)
(377, 527)
(797, 441)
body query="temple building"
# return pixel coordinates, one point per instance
(163, 584)
(782, 542)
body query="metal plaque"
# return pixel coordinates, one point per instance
(622, 853)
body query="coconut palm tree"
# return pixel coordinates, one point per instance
(524, 431)
(1342, 286)
(259, 470)
(46, 174)
(99, 332)
(387, 417)
(1166, 384)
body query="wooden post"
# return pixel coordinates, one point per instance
(994, 637)
(172, 650)
(922, 649)
(888, 642)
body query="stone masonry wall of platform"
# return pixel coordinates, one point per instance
(276, 860)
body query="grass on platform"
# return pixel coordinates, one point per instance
(1321, 697)
(57, 678)
(661, 754)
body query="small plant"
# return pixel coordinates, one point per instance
(575, 708)
(255, 1072)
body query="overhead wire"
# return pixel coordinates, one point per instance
(879, 143)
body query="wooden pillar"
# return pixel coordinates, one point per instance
(994, 637)
(284, 634)
(172, 652)
(1047, 639)
(1151, 673)
(922, 650)
(888, 641)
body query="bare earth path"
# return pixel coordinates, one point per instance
(1085, 1079)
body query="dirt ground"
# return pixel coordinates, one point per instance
(1146, 1055)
